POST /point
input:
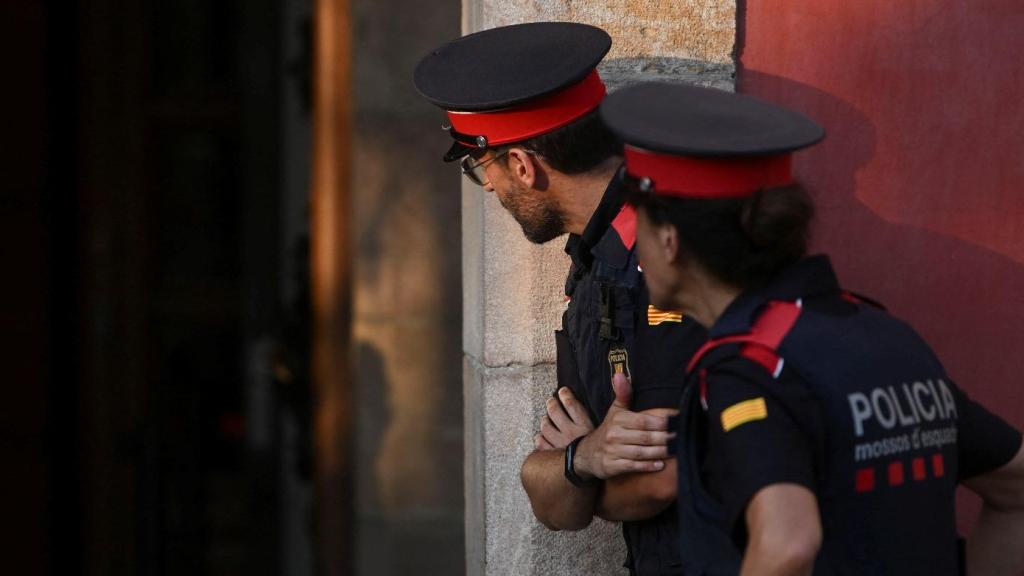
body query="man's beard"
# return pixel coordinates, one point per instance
(541, 221)
(547, 226)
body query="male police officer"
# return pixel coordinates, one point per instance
(522, 101)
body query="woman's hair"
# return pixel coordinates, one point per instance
(743, 241)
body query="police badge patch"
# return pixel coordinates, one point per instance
(618, 362)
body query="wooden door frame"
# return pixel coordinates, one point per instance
(331, 267)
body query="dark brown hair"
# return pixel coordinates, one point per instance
(743, 241)
(575, 148)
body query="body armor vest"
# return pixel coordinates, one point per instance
(607, 300)
(886, 463)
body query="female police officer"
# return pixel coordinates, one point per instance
(818, 433)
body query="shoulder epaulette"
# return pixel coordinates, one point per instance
(625, 226)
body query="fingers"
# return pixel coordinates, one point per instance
(623, 466)
(556, 414)
(575, 410)
(548, 428)
(640, 437)
(633, 452)
(551, 435)
(637, 421)
(623, 390)
(541, 443)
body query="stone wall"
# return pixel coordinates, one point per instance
(407, 304)
(513, 291)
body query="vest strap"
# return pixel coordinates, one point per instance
(760, 344)
(608, 331)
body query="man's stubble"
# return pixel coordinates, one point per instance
(536, 213)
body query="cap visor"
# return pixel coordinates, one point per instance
(458, 150)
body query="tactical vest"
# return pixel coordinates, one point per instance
(887, 461)
(599, 327)
(599, 323)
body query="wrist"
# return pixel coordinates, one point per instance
(576, 466)
(583, 468)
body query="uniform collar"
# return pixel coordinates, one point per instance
(811, 276)
(582, 247)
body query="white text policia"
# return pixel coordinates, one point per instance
(913, 404)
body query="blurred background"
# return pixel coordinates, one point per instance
(171, 344)
(232, 282)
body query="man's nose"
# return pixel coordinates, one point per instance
(488, 187)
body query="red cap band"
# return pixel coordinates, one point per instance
(691, 177)
(534, 117)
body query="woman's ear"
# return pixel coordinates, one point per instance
(668, 243)
(522, 167)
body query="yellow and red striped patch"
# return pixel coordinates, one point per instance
(656, 317)
(744, 412)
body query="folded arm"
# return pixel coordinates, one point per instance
(556, 502)
(624, 444)
(641, 495)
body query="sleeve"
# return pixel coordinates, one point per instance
(755, 437)
(662, 352)
(985, 441)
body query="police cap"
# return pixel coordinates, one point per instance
(512, 83)
(698, 142)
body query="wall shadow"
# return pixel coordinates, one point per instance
(963, 298)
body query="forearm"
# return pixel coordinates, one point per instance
(639, 496)
(994, 547)
(556, 503)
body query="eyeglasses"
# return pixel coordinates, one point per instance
(476, 171)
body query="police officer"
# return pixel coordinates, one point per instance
(522, 108)
(818, 432)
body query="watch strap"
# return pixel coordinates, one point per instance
(570, 467)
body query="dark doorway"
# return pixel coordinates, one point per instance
(157, 233)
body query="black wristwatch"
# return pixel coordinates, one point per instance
(570, 468)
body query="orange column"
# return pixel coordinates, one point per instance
(331, 270)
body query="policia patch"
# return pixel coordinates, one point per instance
(618, 362)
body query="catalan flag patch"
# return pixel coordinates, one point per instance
(656, 317)
(743, 412)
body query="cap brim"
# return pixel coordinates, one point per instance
(458, 150)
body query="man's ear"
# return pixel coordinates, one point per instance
(522, 167)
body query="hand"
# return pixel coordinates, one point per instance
(565, 421)
(625, 442)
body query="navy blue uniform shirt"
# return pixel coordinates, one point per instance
(609, 326)
(858, 411)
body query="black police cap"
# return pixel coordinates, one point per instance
(504, 66)
(705, 122)
(694, 142)
(514, 82)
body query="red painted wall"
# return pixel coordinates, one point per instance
(920, 182)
